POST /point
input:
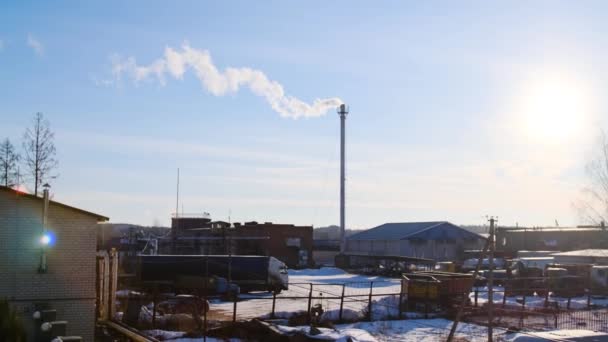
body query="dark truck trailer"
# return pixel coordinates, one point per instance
(249, 272)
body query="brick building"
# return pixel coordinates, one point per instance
(286, 242)
(68, 285)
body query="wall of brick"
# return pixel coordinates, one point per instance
(69, 284)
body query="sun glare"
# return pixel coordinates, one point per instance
(555, 110)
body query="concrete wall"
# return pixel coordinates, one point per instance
(69, 284)
(325, 258)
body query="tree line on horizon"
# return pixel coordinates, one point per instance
(37, 162)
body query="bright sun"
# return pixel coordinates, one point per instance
(554, 110)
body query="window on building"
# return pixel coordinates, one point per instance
(293, 242)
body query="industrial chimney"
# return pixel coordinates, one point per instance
(342, 111)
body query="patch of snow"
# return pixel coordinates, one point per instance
(163, 334)
(338, 335)
(209, 339)
(428, 330)
(316, 272)
(421, 330)
(560, 335)
(348, 315)
(284, 314)
(127, 294)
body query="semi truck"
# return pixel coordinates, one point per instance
(248, 272)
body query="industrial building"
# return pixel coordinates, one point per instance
(511, 240)
(48, 266)
(439, 241)
(585, 256)
(198, 234)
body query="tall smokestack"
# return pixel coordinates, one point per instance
(342, 111)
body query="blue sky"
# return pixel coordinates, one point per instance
(453, 107)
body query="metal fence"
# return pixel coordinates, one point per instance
(539, 307)
(306, 302)
(303, 303)
(536, 319)
(338, 302)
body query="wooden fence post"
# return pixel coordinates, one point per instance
(341, 302)
(476, 294)
(274, 300)
(113, 283)
(309, 303)
(154, 311)
(426, 301)
(103, 285)
(401, 305)
(369, 307)
(556, 314)
(523, 311)
(236, 298)
(589, 285)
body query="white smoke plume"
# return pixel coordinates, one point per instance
(175, 63)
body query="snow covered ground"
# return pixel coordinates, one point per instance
(327, 284)
(415, 330)
(558, 335)
(429, 330)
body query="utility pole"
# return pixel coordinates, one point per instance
(342, 111)
(489, 245)
(45, 239)
(175, 226)
(491, 280)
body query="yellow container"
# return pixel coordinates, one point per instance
(423, 290)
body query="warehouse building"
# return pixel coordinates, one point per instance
(50, 267)
(511, 240)
(439, 241)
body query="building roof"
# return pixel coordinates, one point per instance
(23, 194)
(595, 253)
(553, 229)
(436, 230)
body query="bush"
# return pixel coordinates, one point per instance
(11, 328)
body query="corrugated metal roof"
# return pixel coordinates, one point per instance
(436, 230)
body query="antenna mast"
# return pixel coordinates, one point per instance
(177, 196)
(342, 111)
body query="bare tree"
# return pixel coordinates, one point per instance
(593, 208)
(9, 174)
(39, 151)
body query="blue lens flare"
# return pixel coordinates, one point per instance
(47, 239)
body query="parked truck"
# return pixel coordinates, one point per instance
(250, 273)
